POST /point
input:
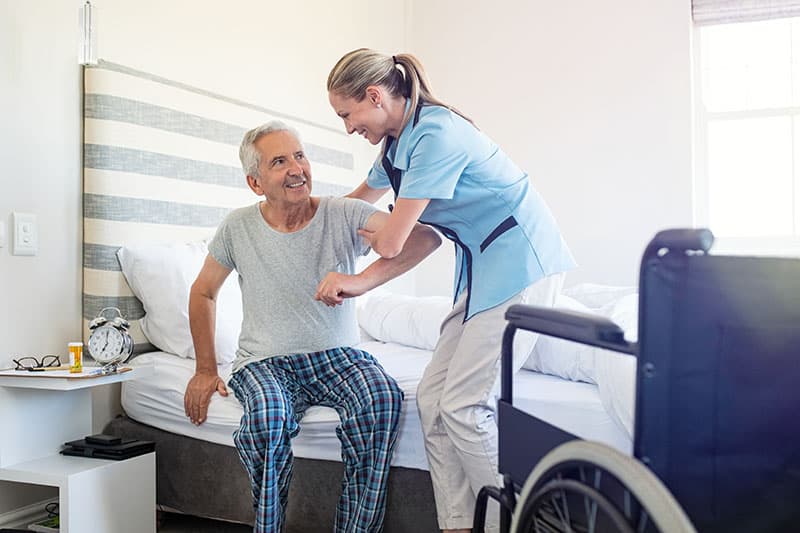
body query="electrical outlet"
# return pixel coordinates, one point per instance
(26, 234)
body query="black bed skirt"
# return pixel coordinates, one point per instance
(205, 479)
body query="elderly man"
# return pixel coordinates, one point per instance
(295, 352)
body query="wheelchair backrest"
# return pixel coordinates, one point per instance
(718, 385)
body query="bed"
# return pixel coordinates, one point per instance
(400, 331)
(160, 172)
(154, 410)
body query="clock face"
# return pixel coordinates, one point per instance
(107, 344)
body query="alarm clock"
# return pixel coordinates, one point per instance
(109, 341)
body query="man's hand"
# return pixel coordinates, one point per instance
(198, 395)
(335, 287)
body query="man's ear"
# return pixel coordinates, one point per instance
(254, 185)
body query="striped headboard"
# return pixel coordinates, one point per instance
(161, 164)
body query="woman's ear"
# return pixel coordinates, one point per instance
(374, 95)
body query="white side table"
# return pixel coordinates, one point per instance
(38, 415)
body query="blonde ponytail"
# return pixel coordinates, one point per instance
(363, 67)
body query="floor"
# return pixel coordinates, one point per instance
(177, 523)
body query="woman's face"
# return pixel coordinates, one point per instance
(364, 117)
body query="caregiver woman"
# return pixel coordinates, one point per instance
(446, 173)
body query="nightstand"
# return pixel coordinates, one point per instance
(38, 415)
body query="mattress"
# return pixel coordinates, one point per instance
(158, 402)
(573, 406)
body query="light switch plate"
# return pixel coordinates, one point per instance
(26, 234)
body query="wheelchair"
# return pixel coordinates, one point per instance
(716, 444)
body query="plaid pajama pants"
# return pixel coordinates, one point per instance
(275, 394)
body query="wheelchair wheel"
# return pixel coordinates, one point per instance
(588, 487)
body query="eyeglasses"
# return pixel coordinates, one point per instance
(32, 363)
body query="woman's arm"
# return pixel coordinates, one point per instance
(366, 193)
(388, 240)
(335, 287)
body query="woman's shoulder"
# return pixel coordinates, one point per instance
(433, 115)
(436, 118)
(438, 130)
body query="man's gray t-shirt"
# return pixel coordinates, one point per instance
(279, 274)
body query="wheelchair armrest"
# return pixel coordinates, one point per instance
(571, 325)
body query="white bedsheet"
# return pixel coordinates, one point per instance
(573, 406)
(158, 401)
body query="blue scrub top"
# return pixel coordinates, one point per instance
(505, 235)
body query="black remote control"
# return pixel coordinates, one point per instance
(106, 440)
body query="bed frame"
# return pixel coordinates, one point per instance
(161, 165)
(187, 470)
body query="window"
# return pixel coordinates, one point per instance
(747, 187)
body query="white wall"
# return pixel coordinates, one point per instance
(274, 54)
(592, 98)
(40, 149)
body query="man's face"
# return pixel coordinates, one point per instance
(284, 172)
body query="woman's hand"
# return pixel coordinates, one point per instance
(387, 233)
(369, 237)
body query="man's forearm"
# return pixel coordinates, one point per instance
(202, 320)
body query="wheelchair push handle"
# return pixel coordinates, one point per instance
(680, 240)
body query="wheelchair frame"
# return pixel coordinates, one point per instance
(684, 382)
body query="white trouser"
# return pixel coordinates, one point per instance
(457, 400)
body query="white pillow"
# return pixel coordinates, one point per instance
(615, 372)
(160, 275)
(624, 312)
(595, 296)
(410, 320)
(563, 358)
(581, 362)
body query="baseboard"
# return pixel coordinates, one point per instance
(25, 515)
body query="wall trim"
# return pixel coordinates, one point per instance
(23, 516)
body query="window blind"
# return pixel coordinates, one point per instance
(706, 12)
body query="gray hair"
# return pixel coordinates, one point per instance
(248, 154)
